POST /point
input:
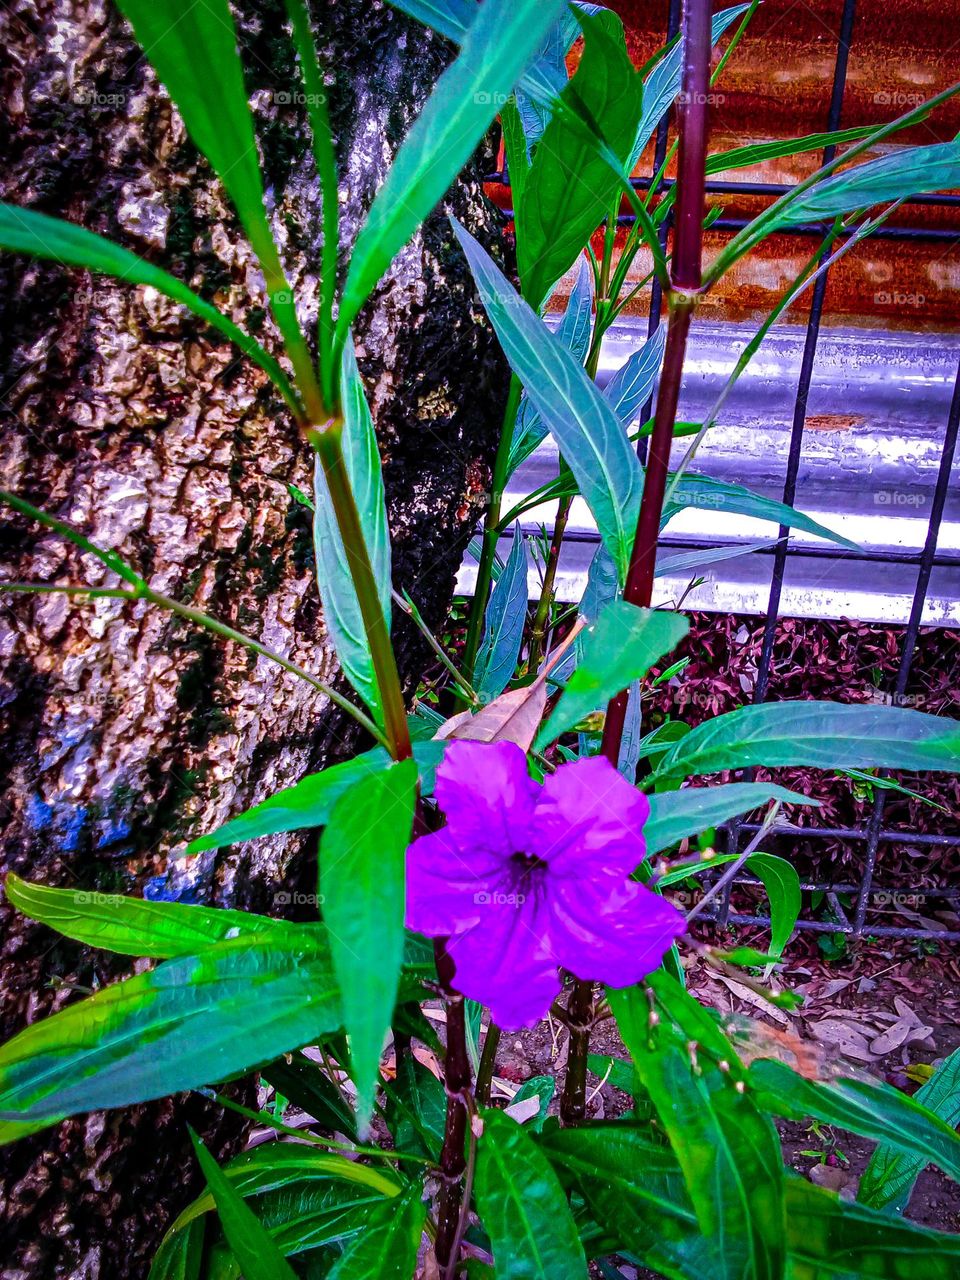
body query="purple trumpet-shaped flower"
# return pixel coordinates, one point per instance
(525, 879)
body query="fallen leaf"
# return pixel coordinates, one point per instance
(845, 1037)
(513, 717)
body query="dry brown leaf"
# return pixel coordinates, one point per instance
(754, 999)
(513, 717)
(843, 1036)
(905, 1031)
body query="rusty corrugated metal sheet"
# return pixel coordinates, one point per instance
(778, 85)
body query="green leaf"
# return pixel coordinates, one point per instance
(180, 1256)
(632, 385)
(782, 884)
(24, 231)
(276, 1165)
(307, 1086)
(872, 1109)
(831, 1239)
(674, 815)
(387, 1247)
(174, 1028)
(692, 562)
(729, 1153)
(570, 187)
(584, 425)
(362, 854)
(523, 1208)
(889, 1178)
(503, 624)
(636, 1191)
(663, 82)
(134, 927)
(416, 1108)
(819, 735)
(252, 1246)
(621, 646)
(574, 332)
(341, 608)
(498, 44)
(542, 1088)
(734, 499)
(910, 172)
(310, 802)
(193, 50)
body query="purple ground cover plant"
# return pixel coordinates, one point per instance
(527, 878)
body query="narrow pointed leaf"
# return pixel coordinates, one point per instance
(40, 236)
(523, 1208)
(819, 735)
(574, 332)
(632, 385)
(734, 499)
(674, 815)
(621, 647)
(498, 44)
(591, 439)
(728, 1151)
(889, 1178)
(910, 172)
(134, 927)
(870, 1108)
(251, 1245)
(362, 853)
(831, 1239)
(193, 49)
(341, 608)
(175, 1028)
(663, 82)
(503, 624)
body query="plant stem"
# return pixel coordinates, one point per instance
(579, 1018)
(488, 1060)
(327, 443)
(456, 1075)
(685, 283)
(491, 534)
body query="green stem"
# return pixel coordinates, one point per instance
(580, 1014)
(456, 1074)
(488, 1060)
(491, 534)
(327, 443)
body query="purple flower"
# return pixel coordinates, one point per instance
(526, 878)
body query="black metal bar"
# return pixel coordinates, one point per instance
(913, 628)
(887, 836)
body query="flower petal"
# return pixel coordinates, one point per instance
(588, 816)
(615, 938)
(487, 795)
(506, 962)
(447, 884)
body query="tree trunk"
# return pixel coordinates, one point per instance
(125, 733)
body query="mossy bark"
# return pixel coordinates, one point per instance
(124, 732)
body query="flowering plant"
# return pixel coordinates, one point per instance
(451, 879)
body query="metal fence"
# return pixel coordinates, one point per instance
(873, 835)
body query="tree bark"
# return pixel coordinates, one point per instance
(124, 732)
